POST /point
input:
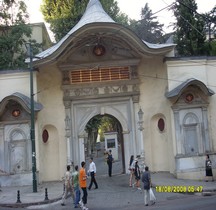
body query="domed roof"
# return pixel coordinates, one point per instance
(94, 14)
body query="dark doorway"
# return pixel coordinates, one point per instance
(95, 143)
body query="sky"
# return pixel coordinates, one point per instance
(132, 8)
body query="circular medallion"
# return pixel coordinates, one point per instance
(99, 50)
(189, 97)
(16, 113)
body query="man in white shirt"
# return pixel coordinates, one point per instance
(92, 172)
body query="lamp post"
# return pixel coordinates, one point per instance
(140, 124)
(29, 52)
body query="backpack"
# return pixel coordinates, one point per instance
(109, 159)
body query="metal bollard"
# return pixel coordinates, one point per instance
(46, 195)
(18, 197)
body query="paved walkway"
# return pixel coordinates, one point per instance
(117, 183)
(115, 188)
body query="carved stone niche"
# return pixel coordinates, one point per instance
(192, 96)
(13, 111)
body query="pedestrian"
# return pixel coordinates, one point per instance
(83, 185)
(92, 172)
(146, 179)
(109, 162)
(137, 174)
(72, 168)
(131, 169)
(208, 168)
(68, 186)
(75, 177)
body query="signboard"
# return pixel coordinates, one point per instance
(111, 143)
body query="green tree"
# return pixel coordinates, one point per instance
(13, 30)
(190, 34)
(148, 28)
(210, 26)
(62, 15)
(102, 123)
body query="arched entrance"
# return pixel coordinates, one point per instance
(96, 146)
(120, 110)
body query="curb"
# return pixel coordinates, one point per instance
(17, 205)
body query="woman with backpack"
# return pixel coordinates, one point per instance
(109, 162)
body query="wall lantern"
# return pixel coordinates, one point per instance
(140, 114)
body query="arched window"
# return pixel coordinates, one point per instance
(190, 130)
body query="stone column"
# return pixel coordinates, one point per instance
(82, 139)
(142, 151)
(2, 147)
(206, 142)
(179, 144)
(127, 149)
(68, 130)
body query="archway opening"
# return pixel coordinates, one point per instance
(96, 145)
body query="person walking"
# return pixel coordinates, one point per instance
(146, 179)
(83, 185)
(109, 162)
(92, 172)
(68, 186)
(208, 168)
(137, 174)
(75, 177)
(131, 169)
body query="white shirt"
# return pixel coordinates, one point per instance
(92, 167)
(67, 178)
(133, 164)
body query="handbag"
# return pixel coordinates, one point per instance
(152, 196)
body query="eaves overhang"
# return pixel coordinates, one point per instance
(176, 92)
(22, 99)
(101, 29)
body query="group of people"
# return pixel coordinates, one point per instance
(76, 179)
(144, 177)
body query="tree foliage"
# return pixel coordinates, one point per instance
(13, 31)
(148, 28)
(62, 15)
(210, 28)
(190, 34)
(103, 123)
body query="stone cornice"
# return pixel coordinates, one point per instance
(102, 91)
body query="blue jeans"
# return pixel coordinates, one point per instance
(77, 195)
